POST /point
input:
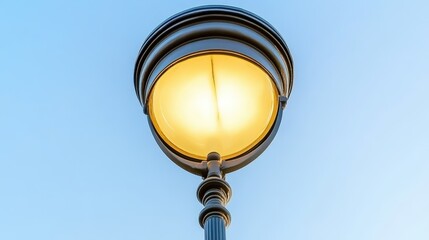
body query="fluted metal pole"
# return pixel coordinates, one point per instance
(214, 193)
(214, 228)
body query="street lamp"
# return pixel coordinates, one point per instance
(213, 81)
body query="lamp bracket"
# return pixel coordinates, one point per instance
(283, 101)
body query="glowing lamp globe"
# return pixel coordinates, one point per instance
(214, 79)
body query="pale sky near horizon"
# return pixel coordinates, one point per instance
(349, 162)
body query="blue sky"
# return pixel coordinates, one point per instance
(350, 160)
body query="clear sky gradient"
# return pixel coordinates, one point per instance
(350, 160)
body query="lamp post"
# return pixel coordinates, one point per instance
(213, 81)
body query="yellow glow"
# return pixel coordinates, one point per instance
(213, 103)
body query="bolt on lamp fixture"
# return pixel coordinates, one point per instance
(214, 81)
